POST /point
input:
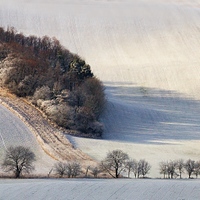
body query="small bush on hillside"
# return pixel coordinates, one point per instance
(43, 92)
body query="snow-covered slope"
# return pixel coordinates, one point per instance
(147, 54)
(14, 132)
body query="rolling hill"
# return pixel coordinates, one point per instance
(147, 55)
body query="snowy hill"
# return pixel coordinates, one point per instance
(146, 53)
(14, 132)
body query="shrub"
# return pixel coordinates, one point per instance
(43, 92)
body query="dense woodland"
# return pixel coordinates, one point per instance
(59, 82)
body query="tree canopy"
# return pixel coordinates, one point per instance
(59, 82)
(115, 161)
(18, 160)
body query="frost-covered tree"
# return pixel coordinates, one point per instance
(43, 92)
(115, 163)
(87, 170)
(196, 168)
(135, 169)
(18, 160)
(75, 169)
(180, 167)
(60, 169)
(189, 167)
(171, 169)
(143, 167)
(40, 68)
(95, 171)
(71, 169)
(131, 165)
(164, 168)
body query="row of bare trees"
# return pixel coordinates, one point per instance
(74, 169)
(117, 163)
(176, 168)
(19, 160)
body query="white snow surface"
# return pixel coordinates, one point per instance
(100, 189)
(13, 132)
(146, 52)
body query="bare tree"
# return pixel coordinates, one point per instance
(115, 161)
(72, 170)
(69, 170)
(135, 169)
(189, 167)
(171, 169)
(87, 169)
(131, 165)
(143, 167)
(180, 167)
(164, 168)
(76, 169)
(95, 171)
(60, 169)
(196, 168)
(18, 160)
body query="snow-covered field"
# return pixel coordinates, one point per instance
(147, 54)
(100, 189)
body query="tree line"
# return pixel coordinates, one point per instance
(57, 81)
(174, 169)
(19, 161)
(117, 164)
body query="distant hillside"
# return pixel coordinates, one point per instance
(59, 82)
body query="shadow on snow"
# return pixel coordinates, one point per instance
(149, 115)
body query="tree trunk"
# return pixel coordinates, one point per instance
(17, 174)
(129, 171)
(86, 173)
(116, 173)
